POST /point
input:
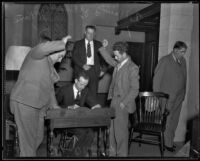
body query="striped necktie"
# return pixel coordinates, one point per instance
(88, 50)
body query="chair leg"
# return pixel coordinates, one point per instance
(162, 143)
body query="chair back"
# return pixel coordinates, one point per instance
(152, 106)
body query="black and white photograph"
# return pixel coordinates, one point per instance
(100, 80)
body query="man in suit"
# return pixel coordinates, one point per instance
(85, 57)
(74, 96)
(123, 90)
(170, 77)
(33, 93)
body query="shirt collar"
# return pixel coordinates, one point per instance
(91, 42)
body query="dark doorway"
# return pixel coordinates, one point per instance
(146, 20)
(136, 51)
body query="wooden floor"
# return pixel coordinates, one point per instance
(135, 151)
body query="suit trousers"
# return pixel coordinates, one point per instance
(172, 120)
(85, 138)
(30, 125)
(93, 82)
(119, 131)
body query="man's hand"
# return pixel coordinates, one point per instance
(121, 105)
(76, 106)
(105, 43)
(96, 106)
(73, 107)
(86, 67)
(65, 39)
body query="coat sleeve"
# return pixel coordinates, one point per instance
(44, 49)
(90, 99)
(76, 56)
(60, 95)
(185, 72)
(158, 75)
(107, 57)
(133, 87)
(53, 101)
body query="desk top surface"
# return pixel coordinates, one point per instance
(82, 112)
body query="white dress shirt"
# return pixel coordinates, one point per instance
(90, 60)
(176, 60)
(75, 91)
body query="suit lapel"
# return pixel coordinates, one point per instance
(123, 69)
(83, 49)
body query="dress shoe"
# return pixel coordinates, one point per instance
(171, 149)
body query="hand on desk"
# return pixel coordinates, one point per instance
(96, 106)
(73, 107)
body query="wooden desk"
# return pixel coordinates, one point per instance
(80, 117)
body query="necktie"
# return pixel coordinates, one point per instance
(178, 61)
(78, 96)
(88, 50)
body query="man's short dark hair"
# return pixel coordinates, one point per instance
(121, 47)
(90, 27)
(179, 45)
(69, 46)
(44, 37)
(82, 74)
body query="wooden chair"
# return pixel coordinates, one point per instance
(9, 126)
(151, 115)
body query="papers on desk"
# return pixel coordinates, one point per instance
(73, 107)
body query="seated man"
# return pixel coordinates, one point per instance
(75, 96)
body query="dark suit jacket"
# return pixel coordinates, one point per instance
(34, 86)
(65, 97)
(79, 56)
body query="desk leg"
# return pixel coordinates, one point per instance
(50, 149)
(107, 133)
(98, 141)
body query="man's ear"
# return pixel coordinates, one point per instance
(76, 81)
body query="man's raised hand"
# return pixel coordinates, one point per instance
(105, 43)
(66, 38)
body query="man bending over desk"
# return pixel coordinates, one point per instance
(74, 96)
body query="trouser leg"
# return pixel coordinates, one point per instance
(26, 119)
(112, 140)
(172, 122)
(85, 137)
(121, 131)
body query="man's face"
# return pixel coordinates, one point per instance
(180, 52)
(119, 57)
(81, 83)
(57, 57)
(89, 34)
